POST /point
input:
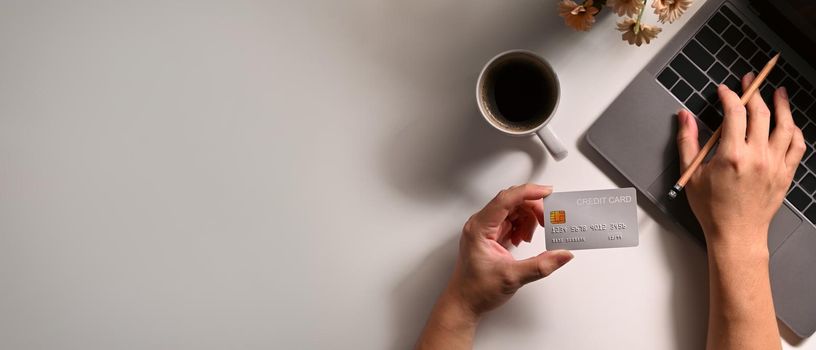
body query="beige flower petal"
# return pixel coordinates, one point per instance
(670, 10)
(578, 17)
(626, 7)
(646, 33)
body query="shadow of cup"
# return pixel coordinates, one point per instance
(435, 159)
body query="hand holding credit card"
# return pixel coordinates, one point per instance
(591, 219)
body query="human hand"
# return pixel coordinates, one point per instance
(736, 194)
(486, 274)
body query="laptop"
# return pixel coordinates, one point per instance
(722, 41)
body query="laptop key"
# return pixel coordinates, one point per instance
(800, 171)
(810, 163)
(733, 83)
(732, 36)
(811, 112)
(689, 72)
(749, 32)
(747, 48)
(710, 117)
(695, 103)
(740, 67)
(802, 100)
(727, 55)
(717, 72)
(731, 15)
(808, 151)
(808, 183)
(775, 76)
(810, 213)
(790, 85)
(710, 93)
(762, 44)
(710, 40)
(759, 61)
(667, 77)
(718, 22)
(809, 132)
(681, 90)
(806, 85)
(799, 118)
(792, 72)
(798, 198)
(698, 55)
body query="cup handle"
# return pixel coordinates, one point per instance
(553, 143)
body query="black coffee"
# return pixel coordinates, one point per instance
(522, 93)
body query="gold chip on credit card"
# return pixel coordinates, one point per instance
(558, 217)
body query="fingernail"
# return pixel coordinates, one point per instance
(563, 259)
(546, 188)
(783, 92)
(750, 75)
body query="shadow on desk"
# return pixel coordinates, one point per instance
(413, 297)
(436, 160)
(686, 258)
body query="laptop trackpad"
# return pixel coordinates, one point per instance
(783, 224)
(678, 208)
(793, 280)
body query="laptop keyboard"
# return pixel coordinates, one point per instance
(722, 51)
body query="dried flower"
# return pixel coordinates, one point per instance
(635, 34)
(579, 17)
(670, 10)
(626, 7)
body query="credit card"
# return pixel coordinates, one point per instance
(591, 219)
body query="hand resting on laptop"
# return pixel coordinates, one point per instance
(734, 197)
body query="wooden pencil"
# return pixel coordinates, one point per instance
(675, 190)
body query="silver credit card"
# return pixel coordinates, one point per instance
(591, 219)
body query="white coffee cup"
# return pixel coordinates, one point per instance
(517, 93)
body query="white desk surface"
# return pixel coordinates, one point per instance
(270, 175)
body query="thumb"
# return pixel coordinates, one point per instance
(687, 143)
(542, 265)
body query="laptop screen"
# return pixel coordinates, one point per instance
(793, 21)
